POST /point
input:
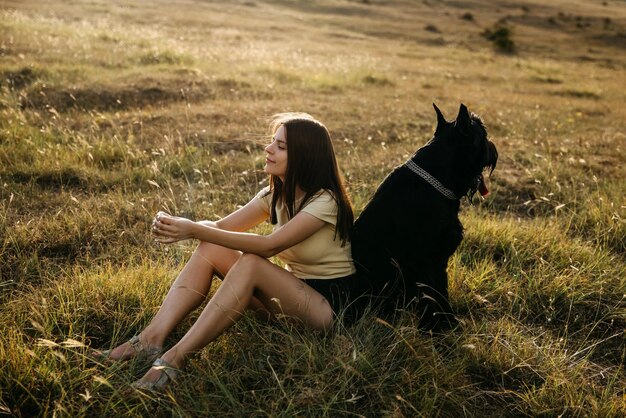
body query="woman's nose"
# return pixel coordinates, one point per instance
(268, 149)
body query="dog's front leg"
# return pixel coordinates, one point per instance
(426, 294)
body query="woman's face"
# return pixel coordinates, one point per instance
(276, 158)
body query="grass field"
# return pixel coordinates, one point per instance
(113, 110)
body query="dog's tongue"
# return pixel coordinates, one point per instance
(482, 187)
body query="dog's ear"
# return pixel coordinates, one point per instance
(441, 121)
(463, 122)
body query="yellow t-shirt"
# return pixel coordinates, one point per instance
(321, 255)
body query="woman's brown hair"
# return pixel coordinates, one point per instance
(312, 166)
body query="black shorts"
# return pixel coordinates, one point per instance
(344, 295)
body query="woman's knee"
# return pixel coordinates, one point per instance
(250, 262)
(246, 266)
(220, 258)
(205, 248)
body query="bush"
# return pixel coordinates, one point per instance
(500, 36)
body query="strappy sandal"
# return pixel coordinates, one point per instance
(142, 352)
(169, 374)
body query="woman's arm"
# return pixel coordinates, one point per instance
(242, 219)
(169, 229)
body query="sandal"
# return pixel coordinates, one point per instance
(142, 352)
(168, 374)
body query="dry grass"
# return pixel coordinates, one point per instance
(111, 111)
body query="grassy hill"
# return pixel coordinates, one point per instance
(113, 110)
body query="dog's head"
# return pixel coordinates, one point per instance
(468, 149)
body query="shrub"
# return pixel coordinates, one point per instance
(500, 36)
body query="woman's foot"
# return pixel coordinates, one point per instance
(134, 348)
(160, 375)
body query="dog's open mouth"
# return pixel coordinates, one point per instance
(482, 186)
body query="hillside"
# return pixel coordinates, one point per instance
(113, 110)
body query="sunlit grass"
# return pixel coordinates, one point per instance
(110, 112)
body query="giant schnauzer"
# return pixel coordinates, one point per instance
(407, 232)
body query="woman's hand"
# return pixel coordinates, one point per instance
(169, 229)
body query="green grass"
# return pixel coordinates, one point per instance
(111, 112)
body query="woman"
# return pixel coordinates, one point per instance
(307, 202)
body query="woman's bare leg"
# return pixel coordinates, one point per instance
(251, 276)
(187, 293)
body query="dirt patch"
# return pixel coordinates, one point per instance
(617, 40)
(105, 99)
(139, 95)
(512, 193)
(578, 94)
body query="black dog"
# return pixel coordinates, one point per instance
(407, 232)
